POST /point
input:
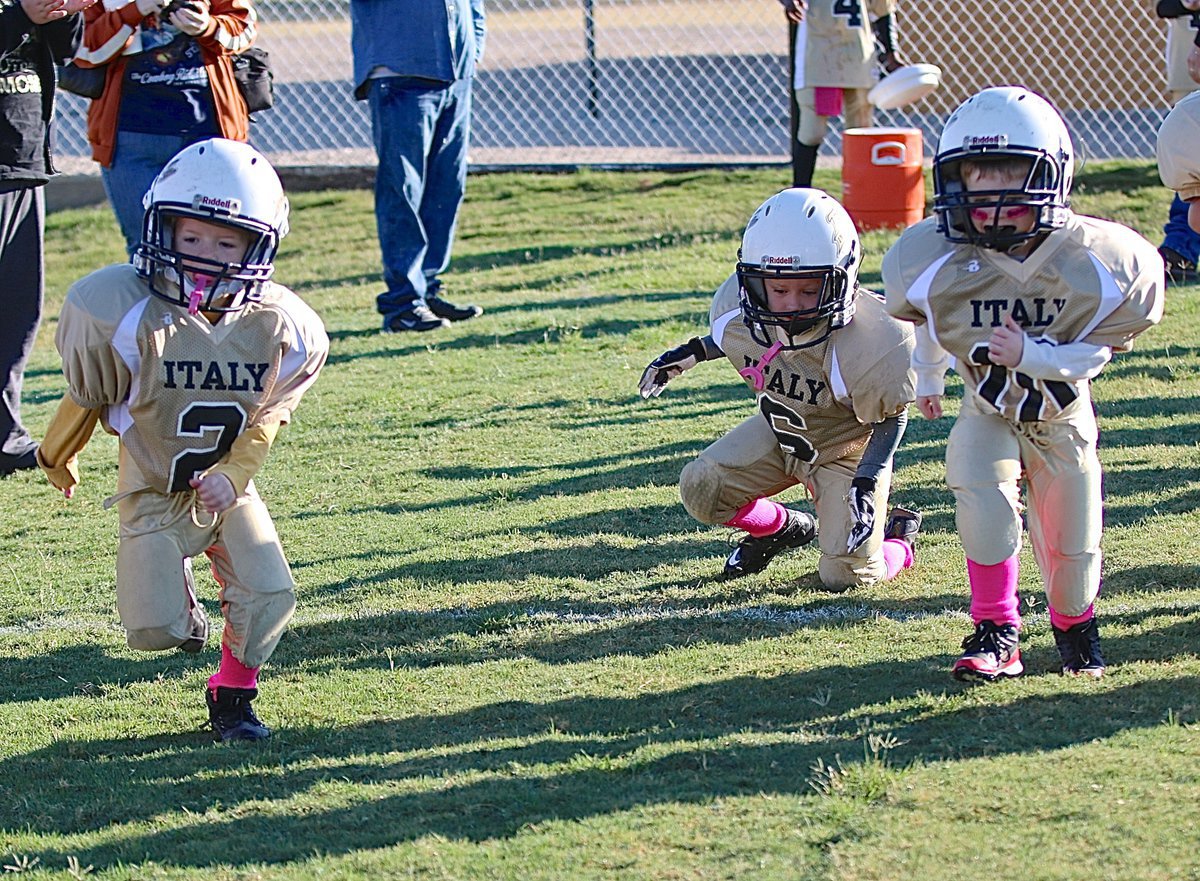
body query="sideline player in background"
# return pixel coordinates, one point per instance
(1027, 301)
(1181, 244)
(836, 46)
(1179, 153)
(831, 374)
(195, 358)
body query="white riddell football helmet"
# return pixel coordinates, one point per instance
(1005, 123)
(799, 233)
(218, 181)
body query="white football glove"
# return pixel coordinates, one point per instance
(669, 365)
(862, 513)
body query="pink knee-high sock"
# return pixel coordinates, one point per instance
(897, 556)
(233, 673)
(994, 592)
(759, 518)
(1066, 622)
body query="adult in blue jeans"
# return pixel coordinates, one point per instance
(414, 61)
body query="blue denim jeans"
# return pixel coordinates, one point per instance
(1180, 237)
(22, 220)
(421, 130)
(138, 159)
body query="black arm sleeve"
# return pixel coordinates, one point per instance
(711, 349)
(1171, 9)
(885, 37)
(885, 440)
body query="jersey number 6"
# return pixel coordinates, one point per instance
(787, 425)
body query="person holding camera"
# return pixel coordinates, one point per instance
(169, 83)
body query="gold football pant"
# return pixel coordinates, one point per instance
(747, 464)
(986, 458)
(158, 532)
(811, 128)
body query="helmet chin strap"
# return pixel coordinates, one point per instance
(201, 282)
(754, 372)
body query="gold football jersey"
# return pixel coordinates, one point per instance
(1092, 281)
(177, 388)
(835, 45)
(821, 401)
(1179, 148)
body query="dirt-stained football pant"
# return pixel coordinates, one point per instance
(985, 457)
(810, 130)
(257, 593)
(747, 464)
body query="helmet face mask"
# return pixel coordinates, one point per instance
(226, 287)
(799, 234)
(796, 326)
(221, 182)
(1011, 136)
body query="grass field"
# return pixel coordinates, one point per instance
(512, 656)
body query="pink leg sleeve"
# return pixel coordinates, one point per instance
(994, 592)
(759, 518)
(897, 556)
(233, 673)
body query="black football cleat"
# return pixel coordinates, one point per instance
(231, 715)
(904, 525)
(989, 653)
(1079, 647)
(753, 554)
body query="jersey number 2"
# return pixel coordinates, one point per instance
(221, 423)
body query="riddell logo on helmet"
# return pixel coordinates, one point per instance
(985, 141)
(211, 203)
(768, 260)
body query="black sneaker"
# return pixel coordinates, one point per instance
(23, 462)
(989, 653)
(231, 716)
(1180, 270)
(418, 317)
(904, 525)
(753, 554)
(1080, 649)
(445, 309)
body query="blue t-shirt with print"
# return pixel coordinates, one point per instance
(166, 87)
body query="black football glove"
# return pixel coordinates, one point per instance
(669, 365)
(862, 512)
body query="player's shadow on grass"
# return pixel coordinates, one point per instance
(550, 335)
(572, 632)
(466, 262)
(1164, 579)
(489, 773)
(653, 466)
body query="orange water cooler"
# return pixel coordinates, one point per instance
(883, 183)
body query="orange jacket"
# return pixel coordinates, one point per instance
(105, 36)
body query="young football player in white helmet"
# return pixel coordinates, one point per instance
(194, 357)
(1027, 301)
(830, 372)
(1178, 150)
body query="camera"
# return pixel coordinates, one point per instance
(175, 5)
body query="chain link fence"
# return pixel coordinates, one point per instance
(691, 82)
